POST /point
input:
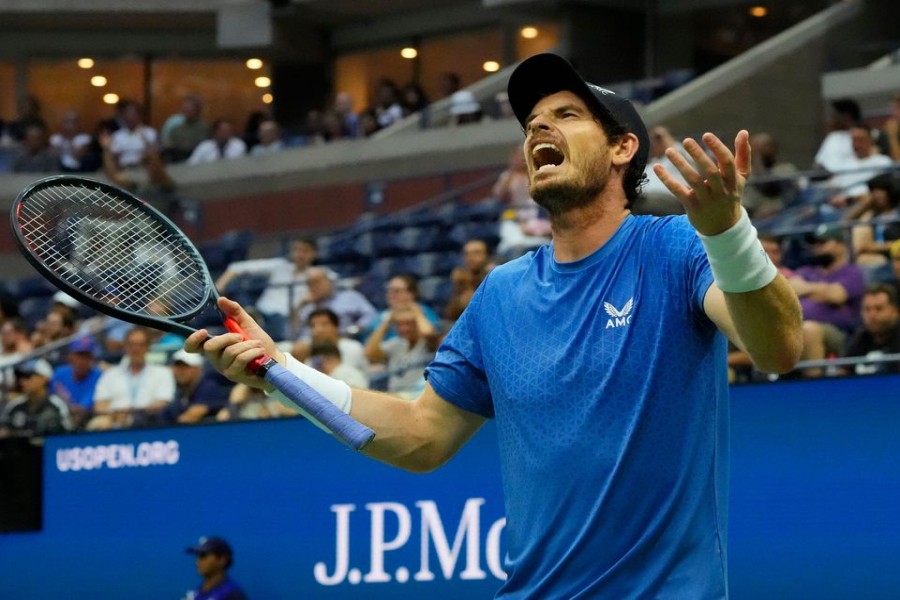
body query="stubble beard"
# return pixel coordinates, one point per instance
(559, 198)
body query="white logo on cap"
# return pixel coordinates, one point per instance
(603, 91)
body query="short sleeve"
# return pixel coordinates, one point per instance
(457, 371)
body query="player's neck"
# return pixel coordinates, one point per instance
(212, 581)
(581, 232)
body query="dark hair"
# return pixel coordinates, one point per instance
(325, 349)
(849, 107)
(412, 283)
(888, 183)
(326, 312)
(888, 290)
(18, 324)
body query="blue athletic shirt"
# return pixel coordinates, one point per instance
(609, 387)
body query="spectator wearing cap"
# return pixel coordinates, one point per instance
(464, 108)
(37, 412)
(830, 291)
(134, 392)
(197, 394)
(76, 381)
(214, 557)
(879, 210)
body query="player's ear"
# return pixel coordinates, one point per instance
(624, 149)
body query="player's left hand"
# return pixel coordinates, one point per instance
(712, 198)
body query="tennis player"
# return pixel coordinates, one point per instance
(601, 356)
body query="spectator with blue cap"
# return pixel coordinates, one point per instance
(214, 558)
(74, 382)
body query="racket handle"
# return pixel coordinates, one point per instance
(343, 426)
(257, 363)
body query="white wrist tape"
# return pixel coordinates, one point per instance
(738, 261)
(336, 392)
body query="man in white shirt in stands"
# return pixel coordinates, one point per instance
(129, 143)
(836, 148)
(223, 144)
(286, 285)
(134, 392)
(850, 177)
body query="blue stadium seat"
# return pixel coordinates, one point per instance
(236, 244)
(427, 216)
(486, 210)
(386, 242)
(216, 258)
(30, 287)
(372, 287)
(424, 264)
(451, 213)
(435, 291)
(387, 267)
(488, 231)
(34, 309)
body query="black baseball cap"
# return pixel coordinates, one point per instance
(544, 74)
(211, 545)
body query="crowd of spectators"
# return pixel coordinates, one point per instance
(837, 241)
(188, 136)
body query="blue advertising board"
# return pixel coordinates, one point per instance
(814, 494)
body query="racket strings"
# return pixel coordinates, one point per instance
(113, 251)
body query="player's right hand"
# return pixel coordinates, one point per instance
(230, 353)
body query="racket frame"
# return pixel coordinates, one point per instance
(170, 323)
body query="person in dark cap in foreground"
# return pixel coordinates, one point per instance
(214, 558)
(601, 355)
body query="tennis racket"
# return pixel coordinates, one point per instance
(120, 256)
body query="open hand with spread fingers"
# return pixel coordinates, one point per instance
(712, 198)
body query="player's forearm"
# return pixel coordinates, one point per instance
(769, 324)
(408, 435)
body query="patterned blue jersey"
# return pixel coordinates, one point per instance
(609, 387)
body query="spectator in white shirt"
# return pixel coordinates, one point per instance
(70, 143)
(223, 144)
(850, 177)
(129, 143)
(133, 392)
(269, 139)
(836, 149)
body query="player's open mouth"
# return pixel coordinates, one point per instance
(546, 156)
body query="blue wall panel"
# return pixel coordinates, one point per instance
(814, 513)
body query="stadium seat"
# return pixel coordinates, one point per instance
(236, 244)
(30, 287)
(435, 291)
(34, 309)
(486, 210)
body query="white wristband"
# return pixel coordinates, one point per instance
(737, 259)
(336, 392)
